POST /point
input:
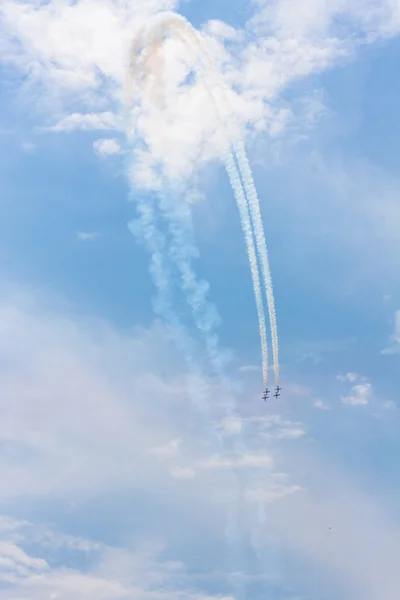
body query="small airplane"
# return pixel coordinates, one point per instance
(277, 392)
(265, 394)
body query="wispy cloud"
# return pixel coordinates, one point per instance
(231, 426)
(70, 58)
(86, 122)
(321, 405)
(249, 369)
(331, 524)
(169, 450)
(65, 407)
(111, 571)
(106, 147)
(245, 461)
(87, 236)
(183, 472)
(360, 395)
(394, 348)
(389, 405)
(348, 377)
(28, 146)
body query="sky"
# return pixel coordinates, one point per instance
(137, 457)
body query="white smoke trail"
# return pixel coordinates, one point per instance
(261, 248)
(196, 293)
(183, 28)
(252, 196)
(184, 31)
(157, 245)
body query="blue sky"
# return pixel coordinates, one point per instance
(127, 468)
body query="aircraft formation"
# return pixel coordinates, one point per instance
(146, 58)
(267, 392)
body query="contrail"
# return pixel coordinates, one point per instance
(251, 192)
(156, 243)
(185, 33)
(196, 292)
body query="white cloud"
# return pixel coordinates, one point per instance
(389, 405)
(249, 369)
(86, 236)
(289, 433)
(245, 461)
(169, 450)
(222, 30)
(183, 472)
(348, 377)
(111, 572)
(78, 54)
(231, 426)
(86, 122)
(66, 392)
(106, 147)
(271, 491)
(83, 404)
(360, 395)
(330, 525)
(321, 405)
(87, 412)
(28, 146)
(275, 428)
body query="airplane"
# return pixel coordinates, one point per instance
(265, 395)
(278, 389)
(277, 394)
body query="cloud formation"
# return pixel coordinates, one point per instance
(84, 66)
(106, 147)
(360, 395)
(113, 572)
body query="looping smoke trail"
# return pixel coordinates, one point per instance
(252, 196)
(154, 36)
(183, 31)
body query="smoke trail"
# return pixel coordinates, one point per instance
(184, 31)
(261, 248)
(157, 245)
(183, 27)
(252, 196)
(196, 293)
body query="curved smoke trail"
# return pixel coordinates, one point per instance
(153, 37)
(251, 192)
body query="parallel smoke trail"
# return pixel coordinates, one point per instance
(155, 245)
(254, 203)
(185, 32)
(261, 248)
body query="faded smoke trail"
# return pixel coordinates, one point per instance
(157, 246)
(182, 254)
(182, 28)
